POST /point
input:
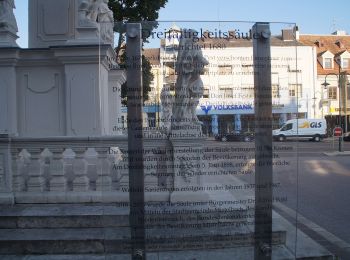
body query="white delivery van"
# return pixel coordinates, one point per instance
(314, 129)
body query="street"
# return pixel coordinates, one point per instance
(311, 183)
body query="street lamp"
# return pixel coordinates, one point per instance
(326, 84)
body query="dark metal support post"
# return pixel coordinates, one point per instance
(135, 139)
(263, 141)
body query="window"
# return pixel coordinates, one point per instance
(332, 93)
(345, 63)
(206, 93)
(225, 92)
(328, 63)
(287, 127)
(225, 69)
(247, 68)
(247, 90)
(295, 90)
(275, 91)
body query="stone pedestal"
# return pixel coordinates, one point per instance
(187, 142)
(64, 22)
(85, 35)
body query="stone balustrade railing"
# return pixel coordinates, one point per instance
(75, 170)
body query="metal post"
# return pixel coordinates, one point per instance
(339, 87)
(135, 140)
(263, 141)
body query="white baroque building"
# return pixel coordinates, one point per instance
(228, 101)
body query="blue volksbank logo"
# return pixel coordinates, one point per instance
(207, 108)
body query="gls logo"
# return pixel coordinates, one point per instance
(311, 125)
(316, 124)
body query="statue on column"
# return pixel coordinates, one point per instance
(189, 86)
(7, 17)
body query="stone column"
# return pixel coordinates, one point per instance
(81, 181)
(36, 180)
(104, 180)
(58, 181)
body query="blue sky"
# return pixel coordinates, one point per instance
(312, 16)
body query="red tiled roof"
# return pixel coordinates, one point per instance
(153, 55)
(336, 44)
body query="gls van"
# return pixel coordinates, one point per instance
(314, 129)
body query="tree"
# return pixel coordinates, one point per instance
(146, 11)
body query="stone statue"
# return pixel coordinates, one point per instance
(167, 100)
(87, 13)
(7, 17)
(106, 20)
(96, 14)
(189, 86)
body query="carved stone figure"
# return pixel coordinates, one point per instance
(87, 13)
(189, 86)
(96, 14)
(7, 17)
(106, 20)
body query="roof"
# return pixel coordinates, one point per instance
(153, 55)
(336, 44)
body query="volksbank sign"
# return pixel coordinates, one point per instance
(239, 108)
(207, 108)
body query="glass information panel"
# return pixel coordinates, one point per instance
(226, 108)
(177, 140)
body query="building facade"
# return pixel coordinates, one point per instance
(227, 104)
(332, 62)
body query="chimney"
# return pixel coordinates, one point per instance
(339, 33)
(296, 32)
(287, 35)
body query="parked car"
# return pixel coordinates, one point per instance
(235, 137)
(346, 137)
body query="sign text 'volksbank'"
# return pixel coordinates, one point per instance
(207, 108)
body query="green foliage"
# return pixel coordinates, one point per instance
(146, 11)
(147, 78)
